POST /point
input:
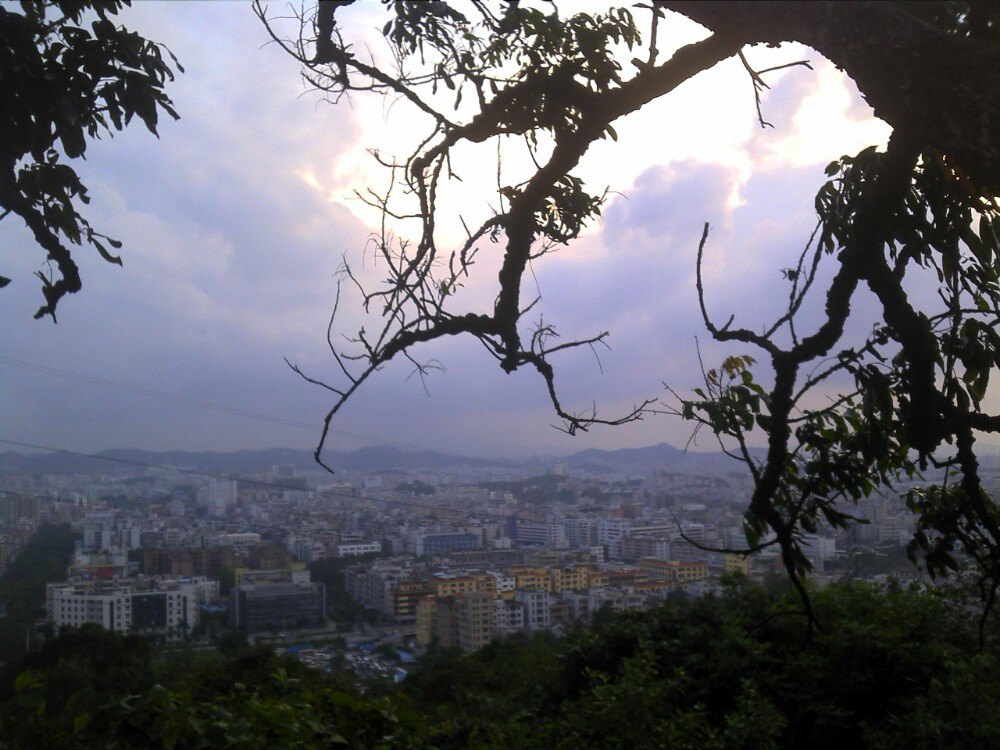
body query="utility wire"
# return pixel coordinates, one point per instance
(209, 405)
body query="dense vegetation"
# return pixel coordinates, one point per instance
(888, 669)
(22, 586)
(341, 608)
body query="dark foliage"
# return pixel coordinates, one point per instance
(895, 669)
(917, 393)
(22, 587)
(68, 73)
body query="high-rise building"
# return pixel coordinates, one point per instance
(220, 496)
(465, 621)
(258, 608)
(536, 606)
(15, 507)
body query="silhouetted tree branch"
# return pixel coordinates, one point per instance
(560, 82)
(68, 73)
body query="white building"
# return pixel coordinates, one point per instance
(819, 547)
(373, 585)
(537, 609)
(219, 496)
(508, 617)
(580, 532)
(638, 547)
(504, 582)
(352, 549)
(108, 535)
(548, 535)
(151, 606)
(612, 529)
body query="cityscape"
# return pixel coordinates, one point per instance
(517, 374)
(451, 557)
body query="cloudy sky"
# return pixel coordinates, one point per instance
(235, 221)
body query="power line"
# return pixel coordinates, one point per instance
(142, 391)
(222, 408)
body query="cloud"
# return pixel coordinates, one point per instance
(232, 244)
(228, 257)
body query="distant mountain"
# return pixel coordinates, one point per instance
(661, 457)
(383, 457)
(376, 458)
(634, 461)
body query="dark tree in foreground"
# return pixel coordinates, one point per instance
(895, 670)
(485, 72)
(68, 73)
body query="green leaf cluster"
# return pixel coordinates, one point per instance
(890, 668)
(68, 74)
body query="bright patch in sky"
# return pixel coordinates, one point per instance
(236, 221)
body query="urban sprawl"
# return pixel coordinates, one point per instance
(455, 558)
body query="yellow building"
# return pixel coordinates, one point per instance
(531, 579)
(475, 620)
(569, 578)
(408, 593)
(451, 585)
(688, 572)
(465, 621)
(597, 579)
(659, 568)
(485, 582)
(674, 570)
(736, 564)
(426, 613)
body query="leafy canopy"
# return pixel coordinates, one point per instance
(68, 73)
(895, 669)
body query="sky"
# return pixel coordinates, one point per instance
(236, 220)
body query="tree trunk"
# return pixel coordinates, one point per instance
(941, 88)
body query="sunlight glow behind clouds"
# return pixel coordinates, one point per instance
(234, 223)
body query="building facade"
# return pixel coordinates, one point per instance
(146, 606)
(265, 607)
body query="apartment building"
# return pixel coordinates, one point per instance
(407, 596)
(508, 617)
(148, 606)
(675, 570)
(581, 533)
(548, 535)
(464, 621)
(569, 578)
(537, 609)
(530, 578)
